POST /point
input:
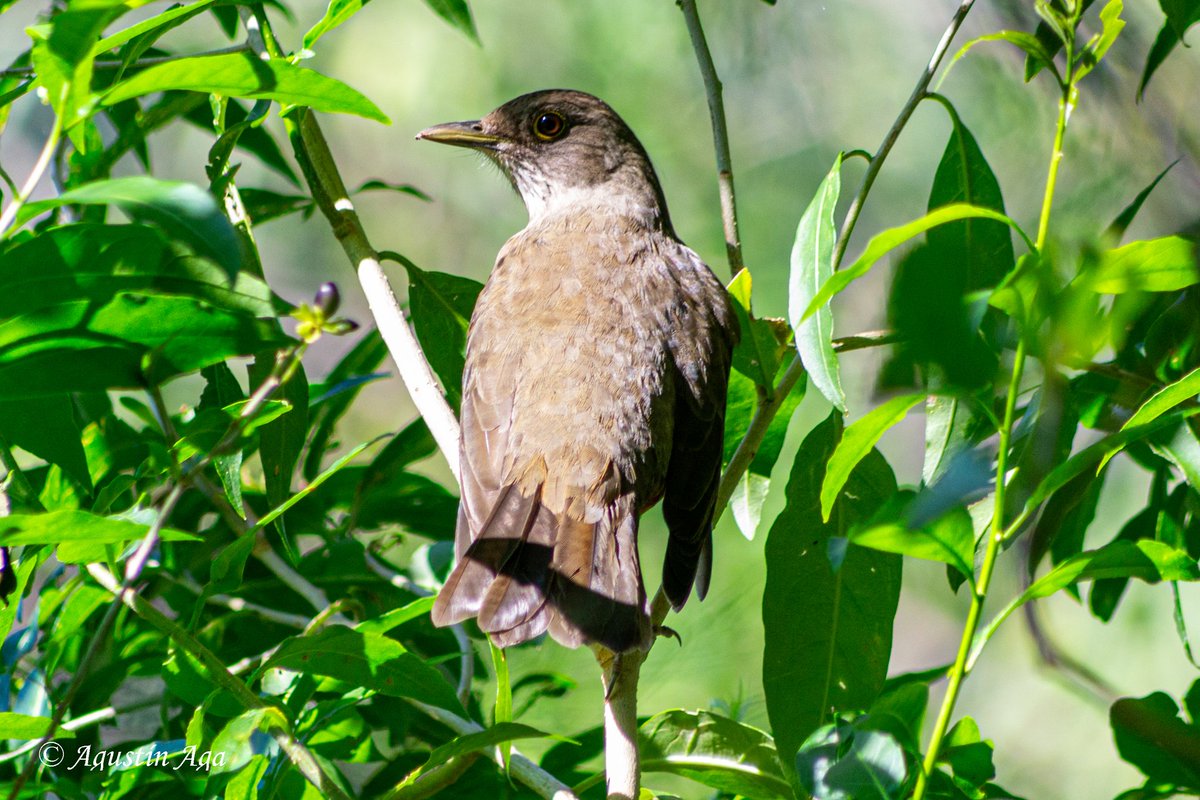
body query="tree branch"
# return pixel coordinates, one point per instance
(889, 140)
(716, 112)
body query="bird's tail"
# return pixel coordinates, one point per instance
(529, 570)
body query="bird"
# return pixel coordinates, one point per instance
(596, 370)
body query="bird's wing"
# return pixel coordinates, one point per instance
(702, 339)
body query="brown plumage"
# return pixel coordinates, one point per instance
(596, 371)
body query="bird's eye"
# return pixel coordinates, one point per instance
(549, 126)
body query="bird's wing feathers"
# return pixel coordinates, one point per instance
(702, 339)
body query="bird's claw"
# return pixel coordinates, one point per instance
(670, 633)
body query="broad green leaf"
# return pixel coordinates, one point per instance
(46, 427)
(811, 268)
(889, 240)
(369, 660)
(457, 13)
(244, 75)
(341, 387)
(1162, 401)
(441, 310)
(1155, 265)
(234, 740)
(225, 572)
(850, 762)
(949, 539)
(828, 632)
(857, 442)
(221, 391)
(281, 441)
(499, 734)
(1181, 14)
(715, 751)
(949, 423)
(981, 249)
(23, 726)
(1150, 735)
(93, 262)
(57, 527)
(129, 341)
(182, 209)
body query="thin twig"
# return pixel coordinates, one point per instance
(716, 112)
(889, 140)
(39, 168)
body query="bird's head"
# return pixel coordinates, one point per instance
(565, 152)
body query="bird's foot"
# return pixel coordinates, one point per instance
(670, 633)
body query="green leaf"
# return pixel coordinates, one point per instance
(182, 209)
(245, 75)
(397, 616)
(715, 751)
(221, 391)
(503, 712)
(1111, 26)
(280, 442)
(811, 268)
(949, 539)
(981, 249)
(369, 660)
(341, 387)
(23, 726)
(857, 441)
(751, 490)
(1146, 560)
(441, 310)
(169, 18)
(1117, 229)
(46, 427)
(828, 632)
(757, 353)
(1161, 402)
(890, 239)
(1181, 14)
(234, 740)
(1154, 265)
(966, 752)
(499, 734)
(130, 341)
(1098, 454)
(1150, 735)
(849, 762)
(336, 13)
(457, 13)
(1033, 48)
(72, 525)
(93, 262)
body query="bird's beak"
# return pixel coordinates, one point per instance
(460, 134)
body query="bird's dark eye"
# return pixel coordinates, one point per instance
(549, 126)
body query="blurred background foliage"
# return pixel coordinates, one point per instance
(802, 81)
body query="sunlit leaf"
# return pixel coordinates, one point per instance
(890, 239)
(1155, 265)
(715, 751)
(857, 441)
(245, 75)
(811, 268)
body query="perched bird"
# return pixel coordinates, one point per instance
(596, 371)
